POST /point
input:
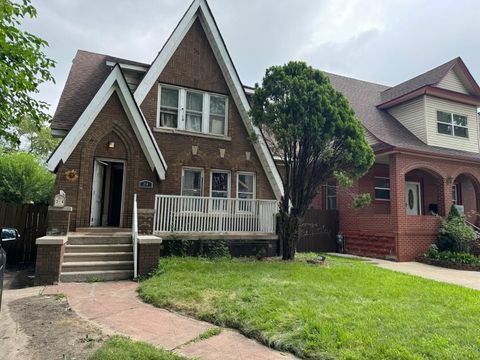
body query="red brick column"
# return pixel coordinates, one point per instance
(58, 220)
(148, 253)
(397, 198)
(50, 251)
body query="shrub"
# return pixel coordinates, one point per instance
(213, 249)
(177, 246)
(455, 234)
(453, 257)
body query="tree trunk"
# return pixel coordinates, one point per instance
(288, 233)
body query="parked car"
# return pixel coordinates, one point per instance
(7, 234)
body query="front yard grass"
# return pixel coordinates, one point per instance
(122, 348)
(345, 309)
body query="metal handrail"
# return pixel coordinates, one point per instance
(135, 236)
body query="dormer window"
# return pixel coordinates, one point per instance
(192, 110)
(452, 124)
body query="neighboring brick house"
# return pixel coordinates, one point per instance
(425, 134)
(176, 133)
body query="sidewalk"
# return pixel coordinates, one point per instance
(114, 306)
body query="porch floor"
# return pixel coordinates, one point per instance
(218, 235)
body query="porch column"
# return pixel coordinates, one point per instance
(149, 247)
(48, 266)
(397, 198)
(445, 187)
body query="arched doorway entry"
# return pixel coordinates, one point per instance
(423, 192)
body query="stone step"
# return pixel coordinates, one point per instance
(97, 256)
(98, 239)
(91, 276)
(79, 266)
(94, 248)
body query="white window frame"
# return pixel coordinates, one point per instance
(201, 113)
(381, 188)
(229, 181)
(254, 194)
(189, 168)
(182, 111)
(453, 125)
(455, 193)
(159, 105)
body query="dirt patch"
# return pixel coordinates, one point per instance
(53, 330)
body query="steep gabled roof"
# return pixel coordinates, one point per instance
(426, 81)
(115, 82)
(199, 9)
(88, 72)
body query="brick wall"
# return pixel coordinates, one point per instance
(193, 65)
(148, 255)
(48, 264)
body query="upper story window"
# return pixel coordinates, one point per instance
(382, 188)
(169, 107)
(452, 124)
(191, 110)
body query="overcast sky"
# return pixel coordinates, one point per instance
(376, 40)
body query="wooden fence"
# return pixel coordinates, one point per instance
(319, 231)
(31, 222)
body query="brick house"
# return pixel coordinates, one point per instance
(176, 133)
(425, 134)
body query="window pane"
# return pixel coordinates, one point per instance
(245, 183)
(382, 183)
(459, 120)
(217, 105)
(194, 101)
(220, 182)
(381, 194)
(461, 131)
(444, 117)
(169, 97)
(192, 183)
(331, 203)
(168, 118)
(194, 122)
(444, 128)
(331, 188)
(217, 125)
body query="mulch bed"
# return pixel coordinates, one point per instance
(448, 264)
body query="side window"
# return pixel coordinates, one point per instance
(331, 195)
(246, 186)
(382, 188)
(168, 107)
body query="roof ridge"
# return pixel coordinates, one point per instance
(452, 62)
(112, 57)
(360, 80)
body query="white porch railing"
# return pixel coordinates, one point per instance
(175, 213)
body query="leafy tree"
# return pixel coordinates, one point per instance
(317, 135)
(34, 139)
(23, 179)
(23, 67)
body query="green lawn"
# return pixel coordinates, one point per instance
(347, 309)
(121, 348)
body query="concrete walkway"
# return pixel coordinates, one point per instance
(114, 306)
(469, 279)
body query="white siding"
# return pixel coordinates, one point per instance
(434, 104)
(411, 114)
(452, 82)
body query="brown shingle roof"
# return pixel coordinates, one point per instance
(363, 97)
(88, 72)
(430, 77)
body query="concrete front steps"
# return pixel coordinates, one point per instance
(97, 257)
